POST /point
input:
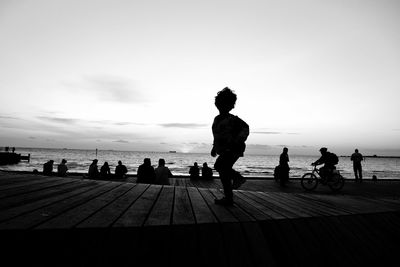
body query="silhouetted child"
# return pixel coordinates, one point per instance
(93, 172)
(105, 172)
(206, 172)
(194, 171)
(230, 134)
(162, 173)
(62, 168)
(48, 168)
(120, 170)
(145, 173)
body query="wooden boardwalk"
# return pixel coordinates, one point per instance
(78, 222)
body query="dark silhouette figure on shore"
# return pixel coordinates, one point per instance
(329, 160)
(230, 133)
(7, 149)
(13, 149)
(374, 178)
(194, 171)
(162, 173)
(356, 158)
(284, 167)
(146, 173)
(105, 172)
(62, 168)
(120, 170)
(48, 168)
(93, 170)
(206, 172)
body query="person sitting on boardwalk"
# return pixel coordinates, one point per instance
(162, 173)
(145, 173)
(105, 172)
(284, 167)
(48, 168)
(194, 171)
(356, 158)
(93, 170)
(230, 133)
(62, 168)
(329, 160)
(206, 172)
(120, 170)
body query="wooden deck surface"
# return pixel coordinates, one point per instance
(80, 222)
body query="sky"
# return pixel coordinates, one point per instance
(143, 75)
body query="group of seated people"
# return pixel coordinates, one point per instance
(105, 171)
(206, 172)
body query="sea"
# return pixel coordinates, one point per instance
(257, 166)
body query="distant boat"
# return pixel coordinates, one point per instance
(12, 158)
(172, 151)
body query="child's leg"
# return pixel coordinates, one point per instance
(223, 165)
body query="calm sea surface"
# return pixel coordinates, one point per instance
(179, 163)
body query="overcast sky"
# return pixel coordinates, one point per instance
(142, 75)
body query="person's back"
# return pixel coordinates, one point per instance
(105, 171)
(206, 172)
(162, 173)
(93, 170)
(356, 157)
(146, 173)
(48, 168)
(120, 170)
(62, 168)
(194, 171)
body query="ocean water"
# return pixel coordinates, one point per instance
(179, 163)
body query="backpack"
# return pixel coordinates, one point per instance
(334, 159)
(241, 132)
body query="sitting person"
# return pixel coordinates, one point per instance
(62, 168)
(105, 171)
(120, 170)
(48, 168)
(194, 171)
(162, 173)
(206, 172)
(329, 160)
(93, 170)
(145, 173)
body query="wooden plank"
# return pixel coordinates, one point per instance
(64, 192)
(24, 184)
(138, 212)
(74, 216)
(32, 188)
(252, 210)
(182, 213)
(109, 214)
(267, 211)
(29, 197)
(162, 210)
(220, 212)
(15, 179)
(34, 218)
(202, 212)
(330, 207)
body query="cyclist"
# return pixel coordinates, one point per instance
(329, 160)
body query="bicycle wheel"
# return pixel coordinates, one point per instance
(336, 182)
(309, 181)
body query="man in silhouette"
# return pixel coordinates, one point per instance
(62, 168)
(329, 160)
(356, 158)
(48, 168)
(145, 173)
(230, 133)
(162, 173)
(120, 170)
(206, 172)
(194, 171)
(284, 167)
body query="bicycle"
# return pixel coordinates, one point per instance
(310, 180)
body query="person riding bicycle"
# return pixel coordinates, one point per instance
(329, 160)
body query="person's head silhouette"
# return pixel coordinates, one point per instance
(147, 161)
(161, 162)
(225, 100)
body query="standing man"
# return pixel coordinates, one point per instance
(284, 167)
(230, 133)
(356, 158)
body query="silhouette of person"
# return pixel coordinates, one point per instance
(230, 133)
(206, 172)
(13, 149)
(162, 173)
(120, 170)
(284, 167)
(194, 171)
(356, 158)
(62, 168)
(48, 168)
(93, 170)
(7, 148)
(146, 173)
(105, 171)
(329, 160)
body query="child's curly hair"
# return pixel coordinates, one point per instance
(225, 99)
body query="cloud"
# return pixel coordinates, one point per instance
(183, 125)
(266, 132)
(121, 141)
(58, 120)
(8, 117)
(110, 88)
